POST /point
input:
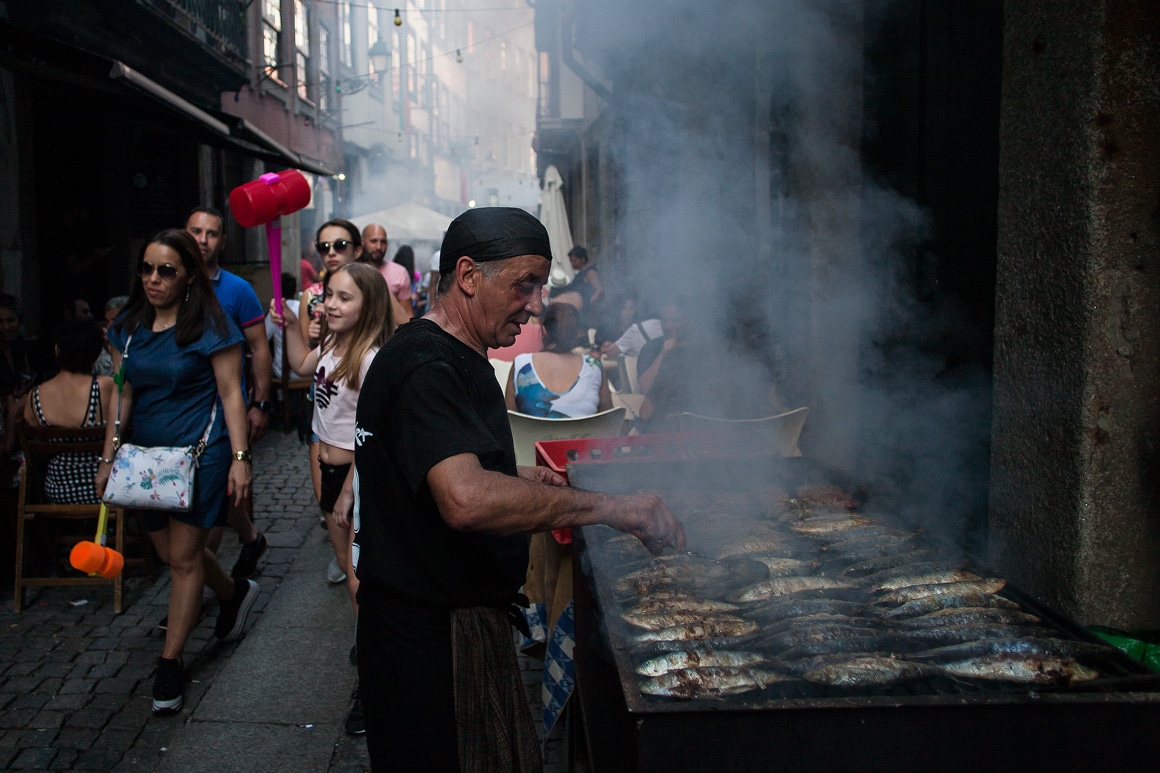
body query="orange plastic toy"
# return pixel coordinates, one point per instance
(93, 557)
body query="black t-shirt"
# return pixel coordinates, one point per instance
(428, 397)
(649, 353)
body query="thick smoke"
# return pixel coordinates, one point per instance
(739, 187)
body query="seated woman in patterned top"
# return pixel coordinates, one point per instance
(72, 398)
(554, 383)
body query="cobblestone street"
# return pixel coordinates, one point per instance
(76, 680)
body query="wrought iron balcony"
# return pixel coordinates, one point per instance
(220, 24)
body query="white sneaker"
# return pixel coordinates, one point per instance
(333, 573)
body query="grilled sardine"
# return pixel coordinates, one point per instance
(870, 671)
(698, 657)
(714, 682)
(704, 629)
(786, 586)
(1036, 669)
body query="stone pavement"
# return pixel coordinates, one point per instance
(76, 680)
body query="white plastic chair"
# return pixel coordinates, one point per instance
(772, 434)
(529, 430)
(502, 369)
(629, 378)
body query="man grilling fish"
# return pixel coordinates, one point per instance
(442, 514)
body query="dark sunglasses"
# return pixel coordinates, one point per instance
(339, 245)
(165, 271)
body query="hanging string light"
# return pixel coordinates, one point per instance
(398, 19)
(458, 56)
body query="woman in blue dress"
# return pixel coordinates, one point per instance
(183, 355)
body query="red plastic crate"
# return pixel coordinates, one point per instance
(557, 454)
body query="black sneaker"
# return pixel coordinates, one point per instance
(355, 724)
(248, 560)
(231, 617)
(168, 686)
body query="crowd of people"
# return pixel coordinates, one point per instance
(411, 452)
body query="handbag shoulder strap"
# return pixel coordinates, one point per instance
(119, 380)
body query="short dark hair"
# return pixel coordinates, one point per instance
(405, 257)
(561, 327)
(579, 252)
(78, 344)
(289, 285)
(207, 210)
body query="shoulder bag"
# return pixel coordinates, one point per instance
(152, 477)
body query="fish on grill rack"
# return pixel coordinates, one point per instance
(713, 682)
(1022, 667)
(988, 586)
(676, 603)
(708, 628)
(698, 657)
(786, 586)
(936, 602)
(869, 671)
(660, 621)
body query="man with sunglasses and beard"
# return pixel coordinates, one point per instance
(241, 305)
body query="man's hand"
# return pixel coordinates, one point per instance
(646, 517)
(258, 421)
(542, 475)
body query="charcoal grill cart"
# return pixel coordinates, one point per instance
(940, 723)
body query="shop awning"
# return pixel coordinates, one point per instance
(236, 131)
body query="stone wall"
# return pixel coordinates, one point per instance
(1075, 488)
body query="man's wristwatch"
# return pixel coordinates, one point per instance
(243, 456)
(262, 405)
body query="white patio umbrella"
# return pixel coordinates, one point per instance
(555, 219)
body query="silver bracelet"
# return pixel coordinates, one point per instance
(103, 460)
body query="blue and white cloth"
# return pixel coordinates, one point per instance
(559, 668)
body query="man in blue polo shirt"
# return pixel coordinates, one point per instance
(241, 304)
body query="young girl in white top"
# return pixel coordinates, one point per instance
(358, 322)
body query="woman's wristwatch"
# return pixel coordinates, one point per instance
(243, 456)
(262, 405)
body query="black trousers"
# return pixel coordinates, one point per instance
(406, 684)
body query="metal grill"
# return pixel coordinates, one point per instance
(940, 722)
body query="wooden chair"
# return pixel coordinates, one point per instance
(289, 385)
(770, 434)
(529, 430)
(41, 444)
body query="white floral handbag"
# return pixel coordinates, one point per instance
(152, 477)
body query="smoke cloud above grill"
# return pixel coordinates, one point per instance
(738, 185)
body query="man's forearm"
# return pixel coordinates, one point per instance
(470, 498)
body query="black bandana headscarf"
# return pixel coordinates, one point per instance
(493, 233)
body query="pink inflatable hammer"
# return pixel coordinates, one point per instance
(264, 201)
(270, 196)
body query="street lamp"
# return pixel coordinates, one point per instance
(380, 57)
